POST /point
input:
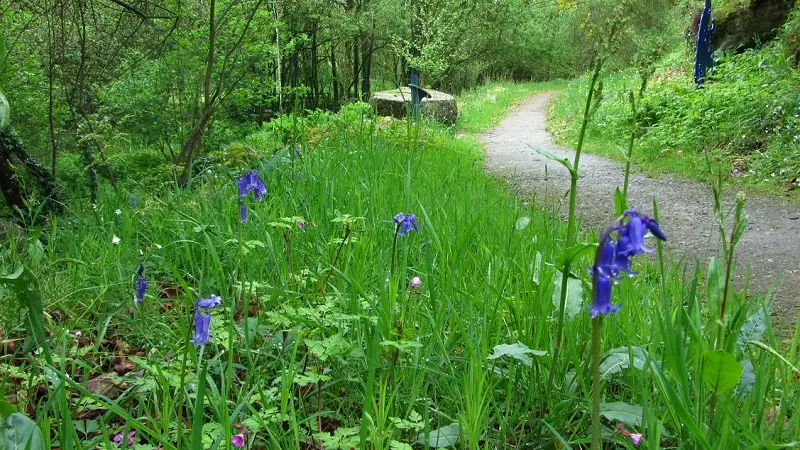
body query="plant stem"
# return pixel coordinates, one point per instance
(596, 383)
(573, 197)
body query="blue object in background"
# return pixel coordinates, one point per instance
(703, 60)
(414, 94)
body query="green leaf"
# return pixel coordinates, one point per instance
(443, 437)
(628, 414)
(721, 371)
(523, 223)
(619, 358)
(26, 287)
(6, 409)
(568, 255)
(518, 351)
(748, 378)
(714, 286)
(740, 229)
(21, 433)
(752, 329)
(5, 112)
(574, 296)
(620, 203)
(559, 159)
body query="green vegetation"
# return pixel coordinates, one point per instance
(378, 290)
(321, 340)
(746, 118)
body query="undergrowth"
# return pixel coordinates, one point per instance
(324, 339)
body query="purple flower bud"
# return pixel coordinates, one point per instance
(415, 282)
(202, 325)
(118, 438)
(242, 212)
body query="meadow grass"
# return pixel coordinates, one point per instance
(321, 341)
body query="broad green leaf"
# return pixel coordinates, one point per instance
(518, 351)
(397, 445)
(748, 378)
(446, 436)
(721, 371)
(714, 286)
(619, 358)
(574, 295)
(752, 329)
(568, 255)
(21, 433)
(628, 414)
(6, 409)
(26, 287)
(523, 223)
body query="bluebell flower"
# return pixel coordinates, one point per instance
(242, 212)
(202, 318)
(251, 182)
(405, 223)
(133, 202)
(141, 286)
(247, 183)
(614, 258)
(209, 303)
(202, 326)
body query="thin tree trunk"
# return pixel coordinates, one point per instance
(196, 135)
(366, 63)
(356, 68)
(335, 76)
(314, 67)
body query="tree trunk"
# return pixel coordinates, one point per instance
(335, 76)
(196, 135)
(10, 146)
(366, 63)
(356, 68)
(314, 67)
(9, 183)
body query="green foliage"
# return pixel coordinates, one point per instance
(746, 117)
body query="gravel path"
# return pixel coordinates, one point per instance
(770, 247)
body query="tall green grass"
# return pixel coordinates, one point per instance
(322, 343)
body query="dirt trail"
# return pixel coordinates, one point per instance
(770, 247)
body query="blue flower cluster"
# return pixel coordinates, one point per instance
(247, 183)
(405, 223)
(202, 319)
(614, 258)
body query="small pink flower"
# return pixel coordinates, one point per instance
(415, 282)
(636, 438)
(238, 440)
(301, 224)
(118, 438)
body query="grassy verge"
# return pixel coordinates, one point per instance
(745, 119)
(324, 339)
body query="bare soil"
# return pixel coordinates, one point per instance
(770, 247)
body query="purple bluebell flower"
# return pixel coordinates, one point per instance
(242, 212)
(209, 303)
(202, 326)
(614, 258)
(405, 223)
(133, 202)
(141, 286)
(251, 182)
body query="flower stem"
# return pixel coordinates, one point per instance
(571, 225)
(596, 383)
